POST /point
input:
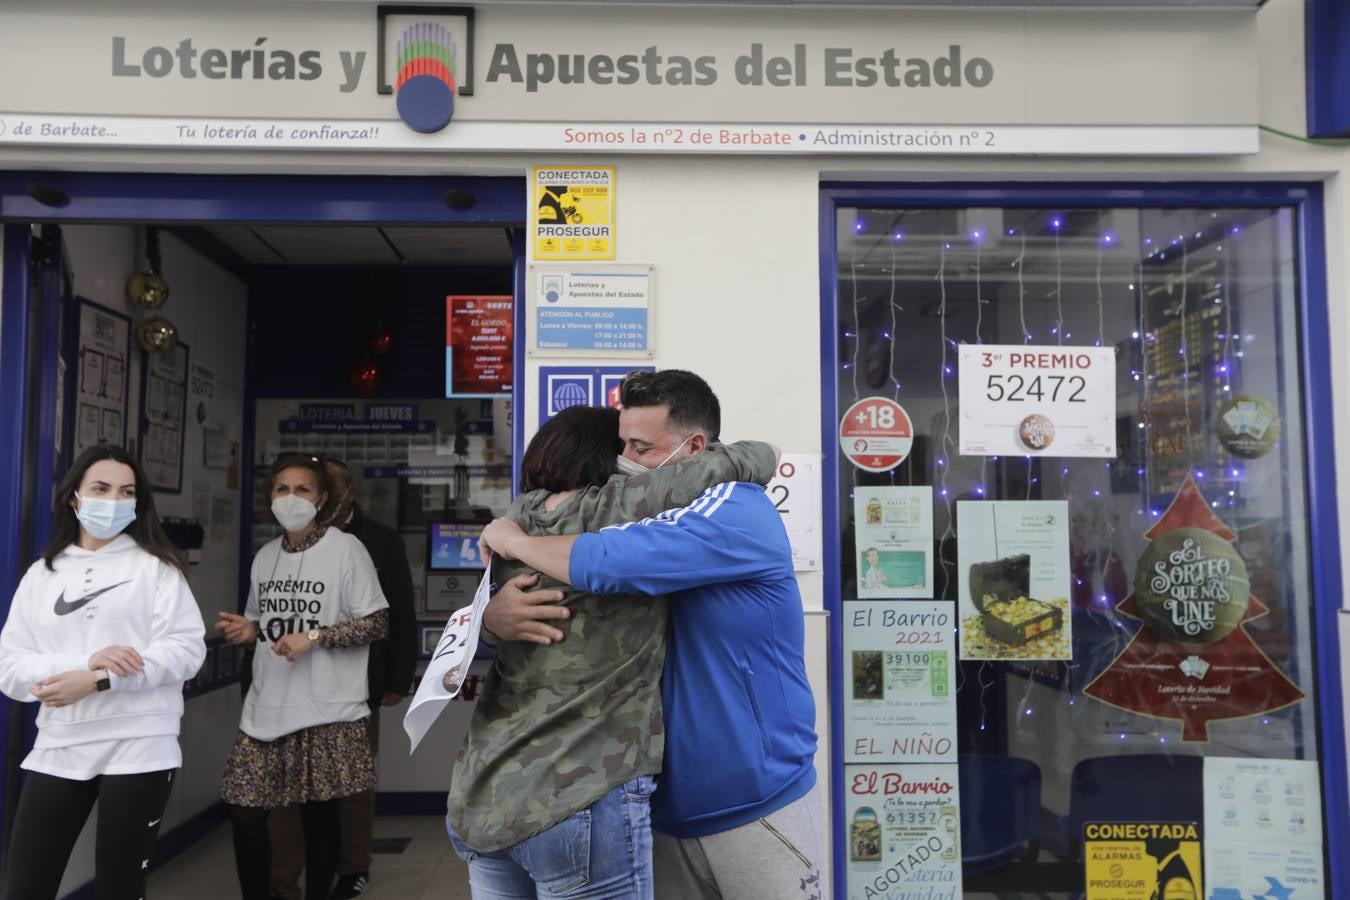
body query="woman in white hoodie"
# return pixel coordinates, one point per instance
(102, 631)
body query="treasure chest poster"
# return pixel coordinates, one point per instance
(1193, 661)
(1013, 577)
(900, 661)
(903, 828)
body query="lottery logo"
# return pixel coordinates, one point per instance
(1036, 431)
(426, 77)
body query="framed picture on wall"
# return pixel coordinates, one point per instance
(104, 345)
(431, 636)
(164, 417)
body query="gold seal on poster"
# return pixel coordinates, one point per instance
(1191, 586)
(1248, 426)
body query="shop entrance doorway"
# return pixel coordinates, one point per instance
(342, 316)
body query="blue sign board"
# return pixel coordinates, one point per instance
(455, 546)
(591, 328)
(297, 426)
(446, 472)
(564, 386)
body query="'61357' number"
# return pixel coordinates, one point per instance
(1016, 389)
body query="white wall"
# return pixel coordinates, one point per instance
(208, 306)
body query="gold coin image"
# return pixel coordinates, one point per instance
(1036, 431)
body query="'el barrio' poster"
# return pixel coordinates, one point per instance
(903, 834)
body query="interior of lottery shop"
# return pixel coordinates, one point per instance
(209, 348)
(1073, 692)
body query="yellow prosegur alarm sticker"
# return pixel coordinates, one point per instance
(573, 212)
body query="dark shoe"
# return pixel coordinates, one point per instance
(349, 886)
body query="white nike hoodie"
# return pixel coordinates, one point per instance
(119, 594)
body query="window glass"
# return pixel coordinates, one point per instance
(1126, 610)
(437, 470)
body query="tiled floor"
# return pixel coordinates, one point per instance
(427, 870)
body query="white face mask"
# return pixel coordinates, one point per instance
(105, 519)
(293, 512)
(629, 467)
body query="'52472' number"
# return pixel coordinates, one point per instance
(1016, 389)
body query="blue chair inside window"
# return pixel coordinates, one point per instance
(1000, 811)
(1150, 787)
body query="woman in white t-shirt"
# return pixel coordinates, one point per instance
(102, 631)
(314, 607)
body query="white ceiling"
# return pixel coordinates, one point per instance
(364, 245)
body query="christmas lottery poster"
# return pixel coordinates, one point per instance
(894, 529)
(903, 826)
(1013, 579)
(901, 672)
(1193, 660)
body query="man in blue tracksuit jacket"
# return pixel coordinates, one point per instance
(737, 812)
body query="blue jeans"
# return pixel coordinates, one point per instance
(603, 852)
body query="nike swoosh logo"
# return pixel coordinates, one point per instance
(63, 608)
(154, 823)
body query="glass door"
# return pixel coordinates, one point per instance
(1074, 575)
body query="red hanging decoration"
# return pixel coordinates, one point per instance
(382, 341)
(365, 377)
(1193, 660)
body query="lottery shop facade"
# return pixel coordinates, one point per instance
(875, 189)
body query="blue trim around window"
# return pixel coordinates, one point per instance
(1324, 549)
(15, 322)
(221, 199)
(518, 241)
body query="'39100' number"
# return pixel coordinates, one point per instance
(1016, 389)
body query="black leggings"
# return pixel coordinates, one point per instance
(52, 812)
(253, 849)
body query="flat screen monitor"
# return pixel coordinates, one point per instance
(453, 545)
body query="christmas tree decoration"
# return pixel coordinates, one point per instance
(157, 335)
(365, 378)
(1193, 660)
(382, 341)
(147, 289)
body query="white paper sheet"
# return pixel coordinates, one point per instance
(454, 653)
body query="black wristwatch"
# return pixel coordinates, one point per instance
(104, 683)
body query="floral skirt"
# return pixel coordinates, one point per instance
(313, 764)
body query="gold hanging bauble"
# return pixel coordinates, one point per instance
(147, 290)
(157, 335)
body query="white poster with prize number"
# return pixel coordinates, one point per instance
(1020, 400)
(795, 491)
(449, 664)
(903, 830)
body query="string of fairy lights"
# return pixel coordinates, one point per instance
(1101, 577)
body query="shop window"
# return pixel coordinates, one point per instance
(436, 470)
(1074, 549)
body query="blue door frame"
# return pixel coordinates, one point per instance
(188, 200)
(1320, 451)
